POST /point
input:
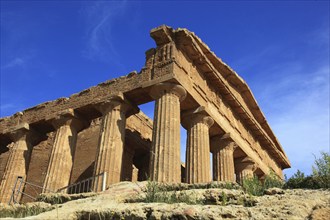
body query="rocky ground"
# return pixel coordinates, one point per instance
(123, 201)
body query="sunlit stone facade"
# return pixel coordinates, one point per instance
(101, 130)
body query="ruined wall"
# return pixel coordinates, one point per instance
(142, 164)
(3, 161)
(138, 133)
(127, 166)
(85, 152)
(38, 167)
(180, 58)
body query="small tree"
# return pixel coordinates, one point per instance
(319, 179)
(296, 181)
(321, 170)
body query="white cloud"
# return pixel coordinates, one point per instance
(99, 19)
(16, 62)
(297, 108)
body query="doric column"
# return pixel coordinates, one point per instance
(165, 153)
(244, 168)
(18, 162)
(111, 141)
(223, 158)
(60, 164)
(197, 124)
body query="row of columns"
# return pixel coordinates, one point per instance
(165, 152)
(67, 125)
(165, 165)
(20, 148)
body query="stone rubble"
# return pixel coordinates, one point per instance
(290, 204)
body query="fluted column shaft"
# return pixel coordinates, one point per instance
(198, 148)
(111, 142)
(223, 159)
(244, 168)
(61, 159)
(165, 153)
(17, 164)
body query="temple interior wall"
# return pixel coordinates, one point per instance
(127, 166)
(3, 162)
(37, 167)
(85, 152)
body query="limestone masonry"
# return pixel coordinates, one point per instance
(101, 130)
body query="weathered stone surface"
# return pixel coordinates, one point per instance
(17, 164)
(197, 124)
(111, 142)
(294, 204)
(20, 210)
(61, 159)
(165, 164)
(38, 167)
(223, 158)
(85, 152)
(180, 74)
(244, 168)
(274, 191)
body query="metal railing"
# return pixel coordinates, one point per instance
(86, 185)
(17, 190)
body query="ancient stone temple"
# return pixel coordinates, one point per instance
(100, 131)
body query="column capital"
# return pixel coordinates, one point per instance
(67, 117)
(24, 131)
(244, 163)
(160, 89)
(223, 141)
(197, 115)
(117, 103)
(19, 131)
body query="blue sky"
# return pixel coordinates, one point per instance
(52, 49)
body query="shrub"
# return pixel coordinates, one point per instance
(156, 192)
(224, 199)
(321, 171)
(300, 181)
(151, 190)
(296, 181)
(319, 179)
(24, 210)
(272, 180)
(253, 186)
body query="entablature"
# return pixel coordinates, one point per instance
(216, 76)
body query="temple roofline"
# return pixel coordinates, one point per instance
(216, 70)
